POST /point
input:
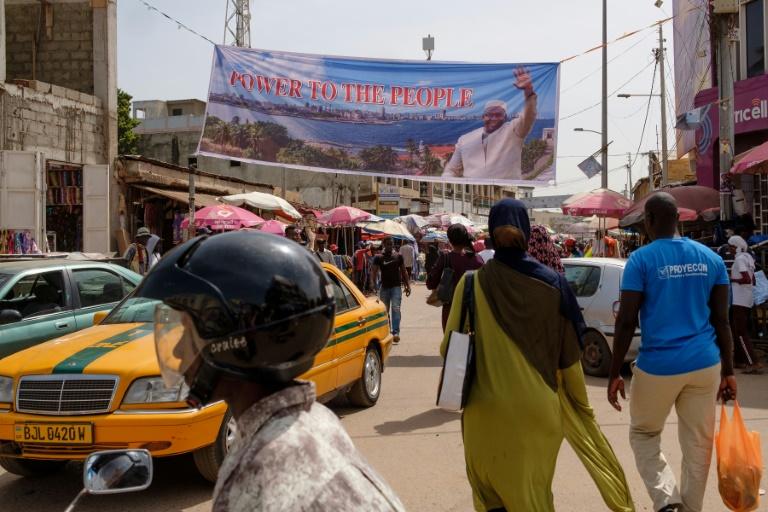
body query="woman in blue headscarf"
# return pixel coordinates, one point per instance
(528, 392)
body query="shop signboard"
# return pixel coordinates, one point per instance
(435, 121)
(388, 201)
(750, 114)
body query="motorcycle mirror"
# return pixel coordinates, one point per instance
(117, 471)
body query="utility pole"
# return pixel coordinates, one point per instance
(192, 227)
(663, 96)
(629, 175)
(724, 17)
(604, 130)
(237, 23)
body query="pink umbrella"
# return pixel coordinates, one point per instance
(223, 217)
(753, 161)
(274, 227)
(601, 202)
(343, 216)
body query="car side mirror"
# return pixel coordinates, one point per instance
(9, 316)
(117, 471)
(99, 316)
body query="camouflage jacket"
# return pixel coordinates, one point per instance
(292, 454)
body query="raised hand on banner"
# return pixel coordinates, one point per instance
(523, 80)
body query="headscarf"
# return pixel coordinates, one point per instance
(541, 247)
(739, 243)
(511, 212)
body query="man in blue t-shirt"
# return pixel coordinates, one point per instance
(680, 290)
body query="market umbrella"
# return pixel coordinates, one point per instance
(436, 219)
(387, 227)
(703, 201)
(601, 202)
(343, 216)
(274, 227)
(263, 201)
(591, 224)
(414, 223)
(435, 236)
(753, 161)
(450, 220)
(223, 217)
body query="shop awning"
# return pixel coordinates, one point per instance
(201, 200)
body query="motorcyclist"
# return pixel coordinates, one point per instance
(243, 315)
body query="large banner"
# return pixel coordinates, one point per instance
(432, 121)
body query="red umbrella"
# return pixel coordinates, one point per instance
(601, 202)
(753, 161)
(343, 216)
(223, 217)
(692, 201)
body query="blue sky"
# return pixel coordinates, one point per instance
(487, 81)
(156, 60)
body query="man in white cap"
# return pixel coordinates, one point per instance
(495, 150)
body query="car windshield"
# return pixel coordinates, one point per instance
(4, 278)
(133, 310)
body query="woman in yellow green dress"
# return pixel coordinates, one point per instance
(528, 392)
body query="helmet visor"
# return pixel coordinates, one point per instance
(177, 344)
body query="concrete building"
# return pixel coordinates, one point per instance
(58, 121)
(696, 86)
(170, 131)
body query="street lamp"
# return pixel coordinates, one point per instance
(428, 45)
(631, 95)
(586, 130)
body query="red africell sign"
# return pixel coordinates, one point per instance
(750, 114)
(758, 110)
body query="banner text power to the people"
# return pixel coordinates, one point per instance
(493, 123)
(370, 94)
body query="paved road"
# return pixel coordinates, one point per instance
(414, 445)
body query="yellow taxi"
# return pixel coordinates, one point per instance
(100, 388)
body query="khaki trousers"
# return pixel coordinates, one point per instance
(694, 396)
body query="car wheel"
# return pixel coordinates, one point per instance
(596, 358)
(365, 392)
(208, 459)
(31, 468)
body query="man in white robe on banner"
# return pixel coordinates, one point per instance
(494, 152)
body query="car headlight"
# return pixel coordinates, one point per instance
(6, 389)
(152, 390)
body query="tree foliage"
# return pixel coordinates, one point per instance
(127, 140)
(532, 151)
(379, 158)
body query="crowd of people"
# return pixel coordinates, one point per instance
(528, 392)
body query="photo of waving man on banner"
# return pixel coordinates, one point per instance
(494, 151)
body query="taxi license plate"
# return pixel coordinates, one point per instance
(54, 433)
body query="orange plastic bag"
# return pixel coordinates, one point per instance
(739, 463)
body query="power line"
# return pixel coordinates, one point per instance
(587, 156)
(174, 20)
(647, 111)
(592, 73)
(609, 94)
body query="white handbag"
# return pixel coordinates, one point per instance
(459, 364)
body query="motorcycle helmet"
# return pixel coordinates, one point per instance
(246, 304)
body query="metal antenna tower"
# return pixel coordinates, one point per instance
(237, 27)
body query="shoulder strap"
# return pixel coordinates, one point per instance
(468, 303)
